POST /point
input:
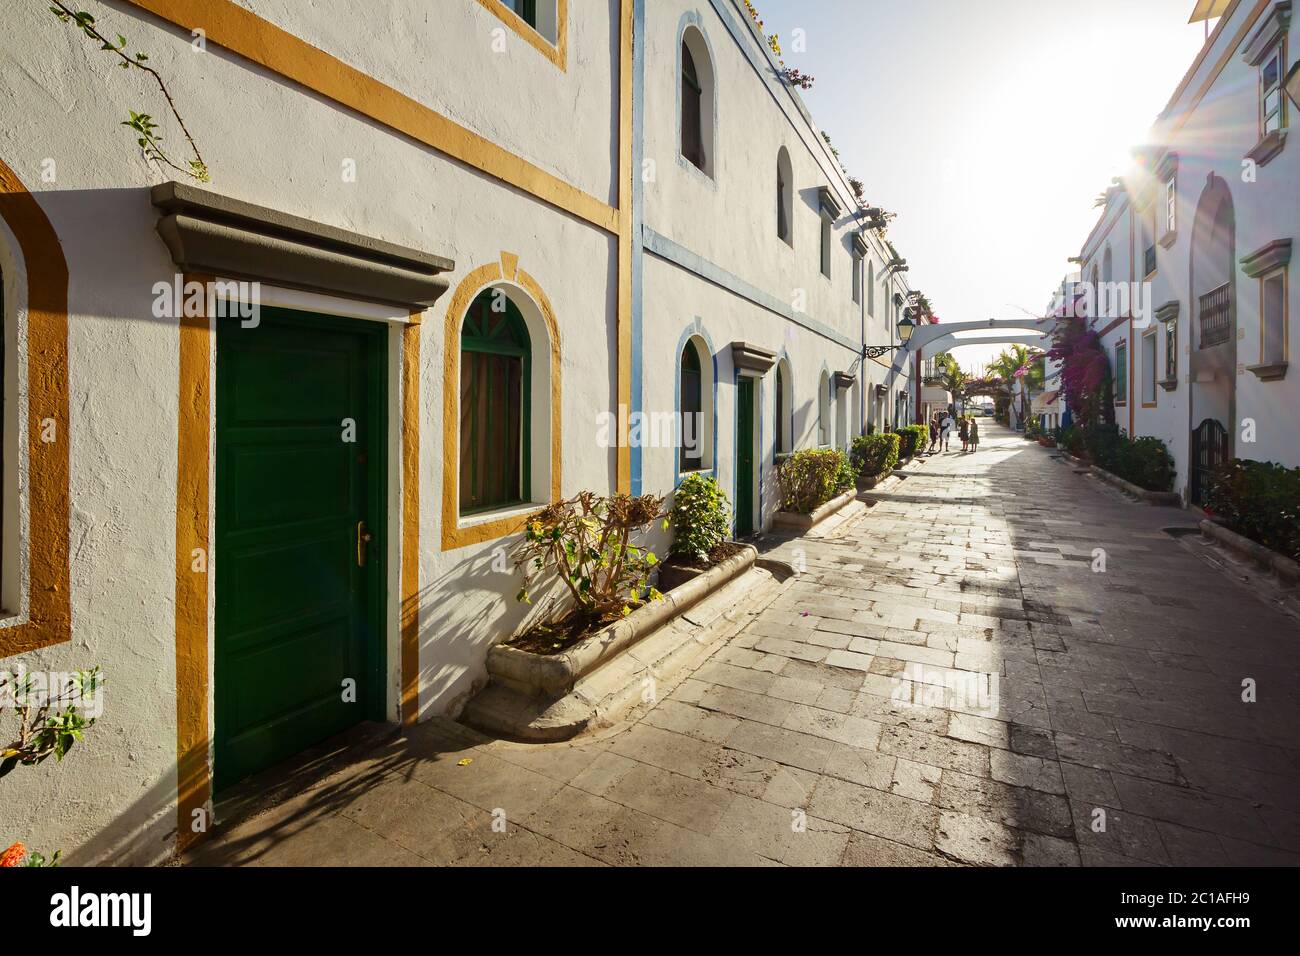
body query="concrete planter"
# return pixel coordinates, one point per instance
(794, 521)
(867, 482)
(1167, 499)
(1284, 567)
(553, 675)
(673, 576)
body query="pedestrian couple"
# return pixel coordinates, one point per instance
(941, 426)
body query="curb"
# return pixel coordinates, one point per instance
(1285, 568)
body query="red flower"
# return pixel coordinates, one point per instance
(13, 856)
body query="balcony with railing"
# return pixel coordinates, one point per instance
(1216, 316)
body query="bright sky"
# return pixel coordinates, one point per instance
(989, 126)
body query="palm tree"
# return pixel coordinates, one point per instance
(953, 378)
(1010, 362)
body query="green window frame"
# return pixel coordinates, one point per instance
(692, 409)
(495, 405)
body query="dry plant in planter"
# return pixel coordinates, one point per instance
(586, 542)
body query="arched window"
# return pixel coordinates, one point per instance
(824, 410)
(784, 197)
(697, 93)
(691, 434)
(784, 429)
(495, 389)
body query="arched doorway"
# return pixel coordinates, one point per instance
(1213, 334)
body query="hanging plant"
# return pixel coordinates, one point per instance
(795, 77)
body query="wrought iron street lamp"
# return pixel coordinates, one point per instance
(905, 329)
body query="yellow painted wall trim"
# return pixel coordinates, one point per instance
(509, 265)
(49, 618)
(410, 612)
(193, 518)
(238, 30)
(453, 534)
(557, 52)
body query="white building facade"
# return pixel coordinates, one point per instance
(467, 304)
(1200, 236)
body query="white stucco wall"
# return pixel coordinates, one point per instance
(1211, 135)
(269, 142)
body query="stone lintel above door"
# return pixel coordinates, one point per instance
(206, 232)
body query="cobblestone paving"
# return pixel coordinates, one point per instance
(951, 682)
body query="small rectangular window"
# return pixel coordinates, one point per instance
(1121, 373)
(1171, 206)
(1273, 310)
(826, 247)
(857, 281)
(1271, 92)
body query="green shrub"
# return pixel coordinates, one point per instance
(1072, 440)
(701, 516)
(875, 454)
(912, 439)
(1145, 462)
(810, 478)
(845, 477)
(1260, 500)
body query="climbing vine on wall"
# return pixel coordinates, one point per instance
(148, 137)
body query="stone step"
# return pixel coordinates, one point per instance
(614, 690)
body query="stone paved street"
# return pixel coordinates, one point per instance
(950, 682)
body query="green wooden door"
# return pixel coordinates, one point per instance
(744, 456)
(299, 592)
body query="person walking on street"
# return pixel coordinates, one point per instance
(934, 433)
(963, 432)
(974, 434)
(945, 430)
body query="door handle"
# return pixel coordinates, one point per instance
(364, 537)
